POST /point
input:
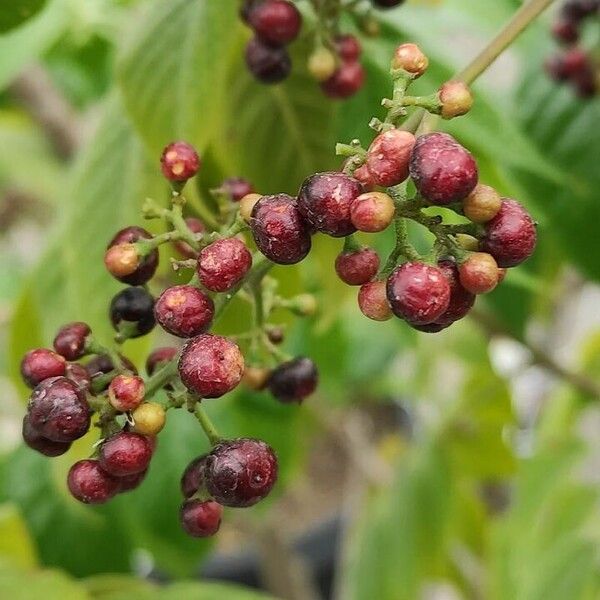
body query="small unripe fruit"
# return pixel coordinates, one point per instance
(346, 80)
(294, 380)
(192, 479)
(372, 212)
(482, 204)
(126, 392)
(149, 418)
(195, 226)
(275, 334)
(322, 64)
(348, 47)
(247, 204)
(388, 157)
(304, 305)
(184, 311)
(125, 453)
(479, 273)
(200, 518)
(456, 99)
(373, 302)
(179, 161)
(268, 64)
(236, 188)
(40, 364)
(223, 264)
(120, 262)
(41, 444)
(91, 484)
(358, 266)
(133, 308)
(70, 340)
(467, 242)
(255, 378)
(410, 58)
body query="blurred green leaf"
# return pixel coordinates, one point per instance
(16, 545)
(18, 12)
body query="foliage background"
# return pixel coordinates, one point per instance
(494, 494)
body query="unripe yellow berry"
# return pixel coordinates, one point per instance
(247, 204)
(482, 204)
(148, 418)
(322, 64)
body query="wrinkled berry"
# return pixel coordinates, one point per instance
(358, 266)
(276, 22)
(268, 64)
(223, 264)
(145, 266)
(345, 81)
(149, 418)
(125, 453)
(373, 302)
(372, 212)
(482, 204)
(294, 380)
(90, 484)
(184, 311)
(192, 478)
(195, 226)
(179, 161)
(40, 364)
(70, 340)
(410, 58)
(237, 187)
(479, 273)
(41, 444)
(132, 309)
(126, 392)
(200, 518)
(348, 47)
(388, 157)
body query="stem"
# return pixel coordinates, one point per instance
(402, 248)
(209, 429)
(160, 378)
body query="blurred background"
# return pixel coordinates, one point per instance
(464, 465)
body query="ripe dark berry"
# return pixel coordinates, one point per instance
(276, 22)
(246, 9)
(268, 64)
(237, 187)
(479, 273)
(585, 83)
(200, 518)
(70, 340)
(565, 31)
(482, 204)
(418, 293)
(373, 302)
(133, 309)
(579, 9)
(388, 157)
(346, 80)
(211, 365)
(348, 47)
(131, 482)
(456, 99)
(41, 444)
(40, 364)
(179, 161)
(410, 58)
(159, 356)
(125, 453)
(442, 170)
(358, 266)
(240, 472)
(195, 226)
(148, 418)
(126, 392)
(387, 3)
(279, 230)
(223, 264)
(192, 478)
(324, 200)
(511, 236)
(184, 311)
(58, 410)
(294, 380)
(145, 266)
(461, 300)
(372, 212)
(79, 376)
(90, 484)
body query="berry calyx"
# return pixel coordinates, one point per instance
(41, 444)
(455, 98)
(241, 472)
(195, 226)
(236, 188)
(89, 483)
(149, 419)
(268, 64)
(132, 310)
(372, 212)
(388, 157)
(255, 378)
(192, 479)
(276, 22)
(348, 47)
(200, 518)
(126, 392)
(184, 311)
(373, 302)
(223, 264)
(123, 261)
(71, 339)
(410, 58)
(356, 267)
(294, 380)
(179, 161)
(345, 81)
(40, 364)
(125, 453)
(322, 63)
(479, 273)
(211, 365)
(482, 204)
(160, 356)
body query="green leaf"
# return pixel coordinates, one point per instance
(17, 12)
(47, 584)
(16, 545)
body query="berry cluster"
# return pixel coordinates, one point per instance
(574, 64)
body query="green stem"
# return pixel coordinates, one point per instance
(402, 248)
(161, 377)
(209, 429)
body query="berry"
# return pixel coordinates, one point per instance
(358, 266)
(255, 378)
(247, 205)
(387, 3)
(461, 300)
(276, 22)
(365, 177)
(294, 380)
(200, 518)
(267, 63)
(236, 188)
(179, 161)
(275, 334)
(211, 365)
(467, 242)
(579, 9)
(132, 309)
(279, 230)
(58, 410)
(442, 170)
(565, 31)
(40, 364)
(125, 453)
(348, 47)
(585, 83)
(223, 264)
(409, 57)
(556, 68)
(102, 364)
(373, 302)
(372, 212)
(510, 237)
(149, 418)
(90, 484)
(324, 200)
(345, 81)
(41, 444)
(131, 482)
(482, 204)
(184, 311)
(418, 293)
(70, 340)
(135, 269)
(126, 392)
(160, 356)
(456, 99)
(192, 478)
(322, 64)
(241, 472)
(479, 273)
(247, 7)
(195, 226)
(388, 157)
(79, 376)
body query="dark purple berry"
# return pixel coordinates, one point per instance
(79, 376)
(192, 478)
(125, 453)
(131, 482)
(90, 484)
(200, 518)
(566, 31)
(158, 357)
(102, 364)
(237, 187)
(579, 9)
(40, 364)
(223, 264)
(268, 64)
(132, 310)
(70, 340)
(247, 7)
(184, 311)
(276, 22)
(179, 161)
(41, 444)
(146, 266)
(461, 301)
(348, 47)
(358, 266)
(346, 80)
(294, 380)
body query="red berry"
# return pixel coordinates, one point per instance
(126, 392)
(418, 293)
(324, 200)
(236, 188)
(240, 472)
(158, 357)
(79, 376)
(442, 170)
(479, 273)
(184, 311)
(461, 300)
(133, 309)
(294, 380)
(125, 453)
(373, 302)
(268, 64)
(279, 230)
(41, 444)
(575, 62)
(358, 266)
(195, 226)
(211, 365)
(131, 482)
(276, 22)
(40, 364)
(179, 161)
(200, 518)
(388, 157)
(348, 47)
(565, 31)
(223, 264)
(70, 340)
(346, 80)
(372, 212)
(146, 265)
(90, 484)
(192, 478)
(511, 236)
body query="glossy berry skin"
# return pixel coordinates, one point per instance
(195, 226)
(200, 518)
(237, 187)
(510, 237)
(192, 478)
(294, 380)
(91, 484)
(373, 302)
(482, 204)
(372, 212)
(133, 307)
(461, 300)
(125, 453)
(279, 230)
(268, 64)
(358, 266)
(184, 311)
(241, 472)
(324, 200)
(58, 410)
(179, 161)
(40, 364)
(479, 273)
(348, 47)
(131, 482)
(147, 265)
(126, 392)
(346, 80)
(159, 356)
(148, 418)
(418, 293)
(442, 170)
(70, 340)
(79, 376)
(211, 365)
(388, 157)
(223, 264)
(277, 22)
(41, 444)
